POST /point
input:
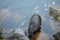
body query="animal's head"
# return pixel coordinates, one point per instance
(35, 24)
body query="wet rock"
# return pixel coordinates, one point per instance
(15, 34)
(1, 35)
(57, 36)
(19, 34)
(54, 11)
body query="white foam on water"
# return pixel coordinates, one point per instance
(53, 2)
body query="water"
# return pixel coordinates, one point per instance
(24, 9)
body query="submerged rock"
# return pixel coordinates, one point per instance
(19, 34)
(54, 11)
(15, 34)
(1, 33)
(57, 36)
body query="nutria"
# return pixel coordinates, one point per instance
(34, 27)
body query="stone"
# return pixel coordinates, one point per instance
(57, 36)
(54, 11)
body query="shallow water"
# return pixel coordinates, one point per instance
(17, 13)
